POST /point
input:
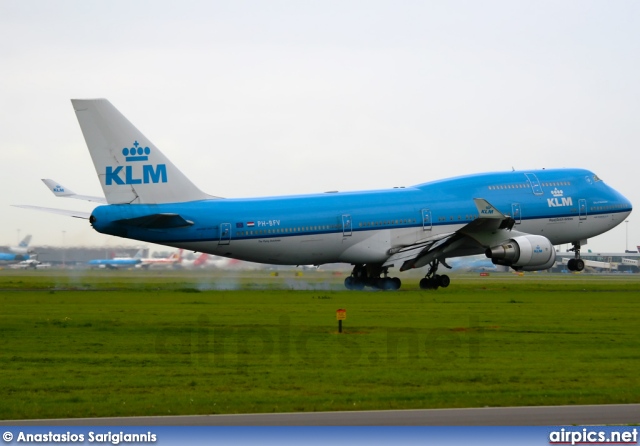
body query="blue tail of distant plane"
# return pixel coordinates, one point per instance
(25, 242)
(23, 246)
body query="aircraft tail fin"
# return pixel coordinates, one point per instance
(25, 242)
(131, 168)
(201, 260)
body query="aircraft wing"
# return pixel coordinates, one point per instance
(64, 192)
(489, 228)
(76, 214)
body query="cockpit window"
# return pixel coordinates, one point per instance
(596, 178)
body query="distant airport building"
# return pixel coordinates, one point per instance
(78, 257)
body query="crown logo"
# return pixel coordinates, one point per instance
(58, 189)
(136, 153)
(557, 192)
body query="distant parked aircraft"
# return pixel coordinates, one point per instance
(148, 262)
(18, 253)
(31, 264)
(199, 261)
(23, 246)
(117, 262)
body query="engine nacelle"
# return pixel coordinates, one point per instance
(524, 253)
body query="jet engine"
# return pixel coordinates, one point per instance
(524, 253)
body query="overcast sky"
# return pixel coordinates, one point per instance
(256, 98)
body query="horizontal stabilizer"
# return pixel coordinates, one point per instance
(157, 221)
(76, 214)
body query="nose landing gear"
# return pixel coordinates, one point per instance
(576, 264)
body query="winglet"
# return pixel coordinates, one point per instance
(61, 191)
(487, 210)
(58, 189)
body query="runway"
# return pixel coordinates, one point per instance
(488, 416)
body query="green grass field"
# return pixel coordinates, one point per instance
(158, 343)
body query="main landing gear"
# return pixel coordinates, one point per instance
(433, 281)
(576, 264)
(369, 275)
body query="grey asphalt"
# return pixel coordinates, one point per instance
(488, 416)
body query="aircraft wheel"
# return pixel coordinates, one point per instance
(430, 284)
(444, 281)
(391, 284)
(579, 264)
(571, 265)
(352, 283)
(348, 283)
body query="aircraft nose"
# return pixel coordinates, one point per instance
(625, 204)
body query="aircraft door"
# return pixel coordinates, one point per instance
(426, 220)
(582, 208)
(516, 213)
(225, 234)
(346, 225)
(535, 184)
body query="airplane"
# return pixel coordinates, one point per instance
(515, 218)
(18, 253)
(23, 246)
(117, 262)
(199, 261)
(148, 262)
(31, 263)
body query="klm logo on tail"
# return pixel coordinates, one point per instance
(558, 199)
(136, 173)
(488, 210)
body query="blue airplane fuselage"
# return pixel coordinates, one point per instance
(563, 205)
(9, 257)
